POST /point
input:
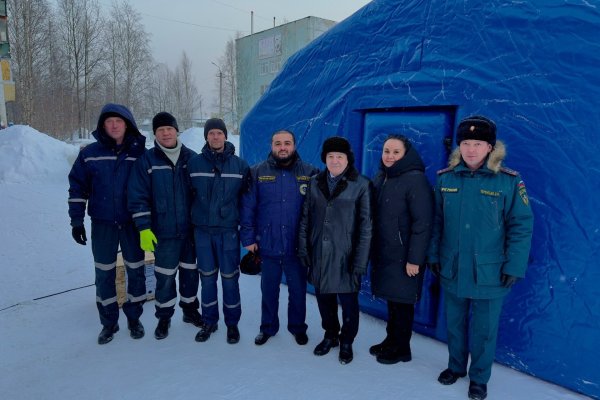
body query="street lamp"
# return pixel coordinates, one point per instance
(220, 89)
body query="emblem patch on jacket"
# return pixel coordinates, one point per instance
(302, 178)
(523, 192)
(448, 190)
(266, 178)
(303, 188)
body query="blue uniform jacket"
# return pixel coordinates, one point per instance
(100, 173)
(159, 193)
(271, 209)
(218, 180)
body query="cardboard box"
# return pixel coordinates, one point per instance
(121, 279)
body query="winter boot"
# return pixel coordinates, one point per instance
(136, 329)
(325, 346)
(192, 317)
(106, 334)
(162, 329)
(393, 355)
(233, 334)
(477, 391)
(346, 354)
(448, 377)
(376, 349)
(204, 334)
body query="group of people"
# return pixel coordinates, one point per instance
(323, 227)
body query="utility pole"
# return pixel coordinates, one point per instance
(220, 90)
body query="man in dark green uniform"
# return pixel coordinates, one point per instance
(479, 247)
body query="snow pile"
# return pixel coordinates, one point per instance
(31, 156)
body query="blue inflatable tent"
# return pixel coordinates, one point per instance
(418, 67)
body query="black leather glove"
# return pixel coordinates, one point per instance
(78, 233)
(305, 261)
(435, 269)
(508, 280)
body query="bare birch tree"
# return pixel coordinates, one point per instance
(130, 56)
(81, 31)
(227, 63)
(26, 29)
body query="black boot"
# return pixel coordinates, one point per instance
(346, 354)
(192, 317)
(136, 329)
(162, 329)
(378, 348)
(106, 334)
(233, 334)
(448, 377)
(477, 391)
(393, 355)
(326, 345)
(204, 334)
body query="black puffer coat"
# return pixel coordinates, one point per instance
(402, 222)
(335, 232)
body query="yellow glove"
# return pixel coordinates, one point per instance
(147, 240)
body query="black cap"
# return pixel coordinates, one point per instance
(214, 123)
(476, 127)
(164, 119)
(337, 144)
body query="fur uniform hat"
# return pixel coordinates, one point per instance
(476, 127)
(214, 123)
(164, 119)
(337, 144)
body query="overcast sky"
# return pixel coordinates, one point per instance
(201, 28)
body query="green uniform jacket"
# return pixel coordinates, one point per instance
(482, 227)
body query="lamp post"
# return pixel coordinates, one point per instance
(220, 90)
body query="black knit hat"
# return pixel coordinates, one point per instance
(476, 127)
(337, 144)
(214, 123)
(164, 119)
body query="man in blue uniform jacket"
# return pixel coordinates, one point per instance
(479, 247)
(98, 179)
(218, 178)
(270, 214)
(159, 200)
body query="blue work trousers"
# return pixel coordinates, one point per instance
(484, 321)
(106, 239)
(219, 252)
(175, 257)
(295, 277)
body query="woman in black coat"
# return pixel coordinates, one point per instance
(333, 243)
(403, 215)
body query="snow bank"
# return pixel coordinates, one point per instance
(29, 156)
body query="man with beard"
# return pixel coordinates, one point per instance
(270, 213)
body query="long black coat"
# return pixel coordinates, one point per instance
(403, 216)
(335, 232)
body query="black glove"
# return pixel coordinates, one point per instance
(508, 280)
(435, 269)
(305, 261)
(78, 233)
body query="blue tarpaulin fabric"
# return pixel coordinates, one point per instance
(418, 67)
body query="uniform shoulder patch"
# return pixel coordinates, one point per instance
(509, 171)
(443, 171)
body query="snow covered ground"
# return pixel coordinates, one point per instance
(49, 322)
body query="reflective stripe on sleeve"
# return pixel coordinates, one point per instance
(103, 158)
(141, 214)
